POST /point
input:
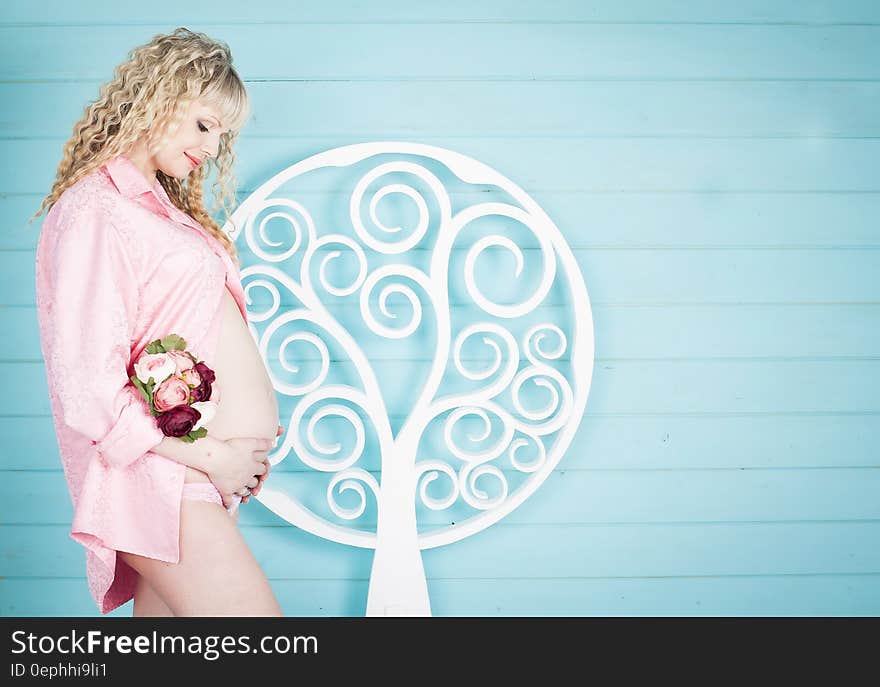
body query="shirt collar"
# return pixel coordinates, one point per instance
(131, 183)
(129, 179)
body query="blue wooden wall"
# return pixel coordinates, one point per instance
(714, 167)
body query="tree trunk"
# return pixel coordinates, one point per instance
(397, 581)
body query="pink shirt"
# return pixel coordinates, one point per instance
(117, 266)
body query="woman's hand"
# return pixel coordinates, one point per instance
(238, 463)
(262, 478)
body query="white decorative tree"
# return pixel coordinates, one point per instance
(408, 457)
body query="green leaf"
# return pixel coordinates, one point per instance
(140, 387)
(174, 342)
(199, 433)
(187, 438)
(154, 347)
(149, 386)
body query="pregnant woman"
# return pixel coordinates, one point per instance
(127, 255)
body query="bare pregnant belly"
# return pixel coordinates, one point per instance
(246, 402)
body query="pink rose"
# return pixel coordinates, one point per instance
(181, 360)
(155, 365)
(191, 377)
(170, 394)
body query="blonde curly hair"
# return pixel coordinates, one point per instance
(148, 98)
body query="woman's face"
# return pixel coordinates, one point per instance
(197, 138)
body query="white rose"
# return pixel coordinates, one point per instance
(156, 365)
(208, 409)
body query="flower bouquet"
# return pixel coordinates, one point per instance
(177, 387)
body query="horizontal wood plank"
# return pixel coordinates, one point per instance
(607, 442)
(713, 332)
(597, 165)
(401, 109)
(566, 496)
(108, 12)
(729, 595)
(483, 50)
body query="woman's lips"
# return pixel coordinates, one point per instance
(195, 162)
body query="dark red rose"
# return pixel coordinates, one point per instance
(203, 391)
(178, 421)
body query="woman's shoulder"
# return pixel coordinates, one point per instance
(88, 199)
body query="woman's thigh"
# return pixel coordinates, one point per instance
(147, 603)
(217, 574)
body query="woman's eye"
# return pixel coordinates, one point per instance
(202, 128)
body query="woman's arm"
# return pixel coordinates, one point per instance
(196, 454)
(85, 317)
(231, 464)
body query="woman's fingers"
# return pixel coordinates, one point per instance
(265, 474)
(261, 477)
(259, 486)
(260, 452)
